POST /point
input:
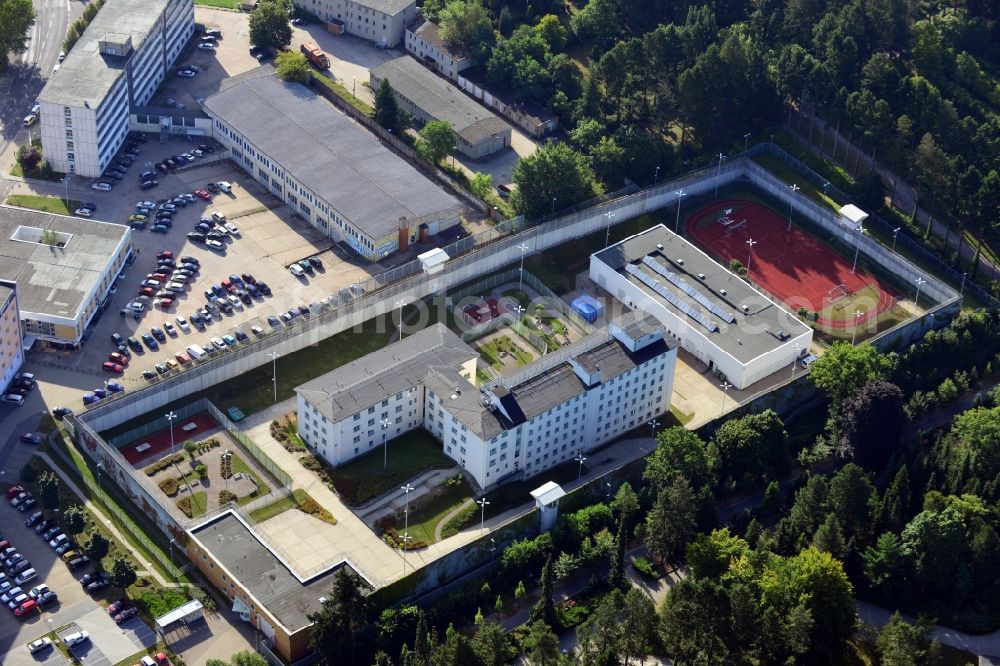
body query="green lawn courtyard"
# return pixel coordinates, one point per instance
(364, 478)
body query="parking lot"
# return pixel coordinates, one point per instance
(73, 601)
(270, 239)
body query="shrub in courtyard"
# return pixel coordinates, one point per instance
(169, 486)
(226, 496)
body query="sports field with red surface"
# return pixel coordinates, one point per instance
(159, 442)
(794, 266)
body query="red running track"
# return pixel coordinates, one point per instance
(794, 266)
(159, 441)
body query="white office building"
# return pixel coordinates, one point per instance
(568, 402)
(706, 309)
(117, 65)
(379, 21)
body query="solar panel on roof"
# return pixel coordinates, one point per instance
(693, 292)
(671, 298)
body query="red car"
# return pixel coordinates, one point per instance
(26, 608)
(164, 254)
(147, 291)
(165, 303)
(14, 491)
(112, 367)
(203, 195)
(157, 277)
(119, 358)
(126, 615)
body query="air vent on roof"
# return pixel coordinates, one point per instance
(701, 276)
(322, 600)
(680, 262)
(746, 308)
(659, 246)
(723, 292)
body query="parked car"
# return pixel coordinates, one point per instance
(110, 366)
(71, 640)
(78, 562)
(31, 438)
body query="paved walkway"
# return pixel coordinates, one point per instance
(395, 500)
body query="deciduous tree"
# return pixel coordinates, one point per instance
(269, 26)
(437, 139)
(553, 177)
(292, 66)
(122, 573)
(670, 523)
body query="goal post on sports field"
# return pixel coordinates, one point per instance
(835, 294)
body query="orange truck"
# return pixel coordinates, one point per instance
(315, 55)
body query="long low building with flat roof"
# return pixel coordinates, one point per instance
(712, 313)
(426, 96)
(262, 587)
(330, 170)
(64, 268)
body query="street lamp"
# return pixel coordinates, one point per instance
(406, 512)
(919, 281)
(553, 204)
(857, 315)
(523, 247)
(746, 141)
(857, 247)
(608, 484)
(607, 234)
(399, 305)
(172, 569)
(895, 232)
(100, 466)
(274, 372)
(725, 386)
(170, 417)
(483, 503)
(718, 175)
(750, 242)
(354, 88)
(580, 459)
(656, 176)
(791, 202)
(493, 548)
(798, 352)
(654, 424)
(677, 223)
(385, 444)
(66, 188)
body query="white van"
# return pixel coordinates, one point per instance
(196, 352)
(12, 399)
(218, 217)
(25, 576)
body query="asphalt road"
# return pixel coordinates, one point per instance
(21, 82)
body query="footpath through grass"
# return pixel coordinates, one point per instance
(43, 203)
(424, 521)
(365, 478)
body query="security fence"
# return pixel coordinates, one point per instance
(121, 518)
(258, 454)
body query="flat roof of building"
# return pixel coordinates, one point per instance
(340, 161)
(431, 33)
(87, 74)
(262, 573)
(390, 7)
(5, 293)
(759, 328)
(51, 280)
(398, 367)
(440, 99)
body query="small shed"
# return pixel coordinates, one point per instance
(190, 612)
(433, 261)
(853, 216)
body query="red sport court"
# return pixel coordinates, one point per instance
(157, 444)
(794, 266)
